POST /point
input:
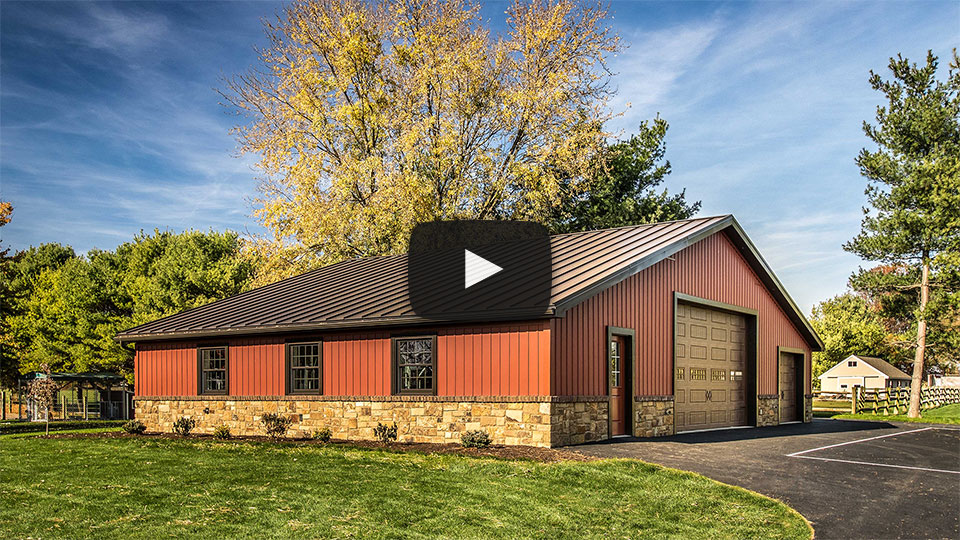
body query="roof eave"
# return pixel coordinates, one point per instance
(512, 315)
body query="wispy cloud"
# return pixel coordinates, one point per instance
(110, 123)
(648, 70)
(140, 143)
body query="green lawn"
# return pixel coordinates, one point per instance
(147, 487)
(830, 405)
(949, 414)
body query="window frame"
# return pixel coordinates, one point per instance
(851, 363)
(288, 367)
(201, 387)
(395, 365)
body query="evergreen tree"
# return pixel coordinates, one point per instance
(913, 223)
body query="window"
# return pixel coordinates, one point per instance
(304, 362)
(415, 365)
(843, 386)
(851, 363)
(718, 375)
(614, 363)
(698, 374)
(736, 375)
(213, 370)
(679, 373)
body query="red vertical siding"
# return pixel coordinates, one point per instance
(167, 369)
(482, 360)
(711, 269)
(256, 366)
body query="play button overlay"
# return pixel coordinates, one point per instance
(476, 269)
(479, 270)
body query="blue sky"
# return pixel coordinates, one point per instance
(109, 122)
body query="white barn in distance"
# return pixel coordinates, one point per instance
(865, 371)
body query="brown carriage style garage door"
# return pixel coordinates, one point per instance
(710, 369)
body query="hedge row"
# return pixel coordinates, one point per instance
(57, 425)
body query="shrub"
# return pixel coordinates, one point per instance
(476, 438)
(323, 435)
(183, 426)
(385, 433)
(275, 424)
(221, 432)
(134, 427)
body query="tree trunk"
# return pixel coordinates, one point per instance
(916, 383)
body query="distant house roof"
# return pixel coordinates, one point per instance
(884, 367)
(373, 291)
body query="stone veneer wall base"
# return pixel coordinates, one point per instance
(531, 423)
(653, 416)
(768, 410)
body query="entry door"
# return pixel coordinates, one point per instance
(619, 392)
(789, 411)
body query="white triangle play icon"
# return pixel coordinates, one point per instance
(476, 269)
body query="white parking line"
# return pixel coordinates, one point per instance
(878, 464)
(798, 454)
(801, 456)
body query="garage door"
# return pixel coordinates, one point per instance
(710, 369)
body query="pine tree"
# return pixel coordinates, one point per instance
(913, 223)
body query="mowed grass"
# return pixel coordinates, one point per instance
(135, 487)
(829, 404)
(948, 414)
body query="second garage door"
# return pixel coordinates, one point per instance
(710, 369)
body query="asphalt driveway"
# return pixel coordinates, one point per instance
(851, 479)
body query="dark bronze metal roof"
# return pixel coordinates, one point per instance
(373, 291)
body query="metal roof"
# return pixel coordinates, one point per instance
(373, 291)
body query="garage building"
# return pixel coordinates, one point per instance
(651, 330)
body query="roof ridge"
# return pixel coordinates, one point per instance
(639, 225)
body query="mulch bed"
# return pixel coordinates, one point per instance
(531, 453)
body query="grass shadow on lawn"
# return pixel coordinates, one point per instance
(143, 487)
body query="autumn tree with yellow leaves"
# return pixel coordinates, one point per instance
(369, 117)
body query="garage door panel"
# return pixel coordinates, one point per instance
(698, 331)
(713, 393)
(718, 334)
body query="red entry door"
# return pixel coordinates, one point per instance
(619, 394)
